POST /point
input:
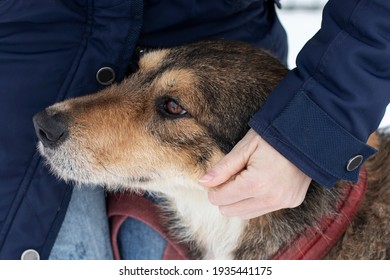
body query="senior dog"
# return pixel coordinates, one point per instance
(184, 108)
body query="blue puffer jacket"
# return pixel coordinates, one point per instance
(319, 117)
(52, 49)
(322, 114)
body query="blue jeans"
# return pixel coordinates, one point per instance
(85, 234)
(137, 241)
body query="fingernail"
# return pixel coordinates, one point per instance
(206, 178)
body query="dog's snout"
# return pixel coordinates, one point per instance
(50, 129)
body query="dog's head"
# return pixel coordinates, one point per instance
(175, 117)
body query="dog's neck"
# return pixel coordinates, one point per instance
(200, 221)
(190, 216)
(203, 223)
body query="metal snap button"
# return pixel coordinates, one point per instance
(354, 162)
(30, 254)
(105, 76)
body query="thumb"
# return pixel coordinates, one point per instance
(230, 164)
(227, 167)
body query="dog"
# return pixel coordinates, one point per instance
(165, 125)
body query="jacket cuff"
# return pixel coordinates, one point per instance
(308, 137)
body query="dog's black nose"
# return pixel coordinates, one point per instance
(50, 129)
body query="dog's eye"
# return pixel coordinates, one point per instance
(171, 108)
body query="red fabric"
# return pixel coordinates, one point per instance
(122, 206)
(310, 245)
(314, 245)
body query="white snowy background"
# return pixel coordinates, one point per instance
(302, 19)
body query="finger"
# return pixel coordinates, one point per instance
(233, 191)
(246, 209)
(230, 164)
(225, 169)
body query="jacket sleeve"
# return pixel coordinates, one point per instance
(321, 115)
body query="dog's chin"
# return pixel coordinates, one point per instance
(69, 166)
(63, 167)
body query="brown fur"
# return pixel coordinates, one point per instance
(124, 138)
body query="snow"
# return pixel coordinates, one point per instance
(302, 19)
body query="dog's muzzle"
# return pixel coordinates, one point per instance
(51, 129)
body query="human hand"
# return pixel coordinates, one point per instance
(254, 179)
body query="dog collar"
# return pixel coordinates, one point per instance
(314, 244)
